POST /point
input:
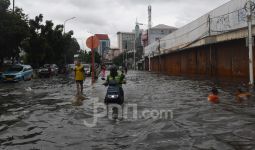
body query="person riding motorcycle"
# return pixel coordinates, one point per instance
(115, 93)
(115, 78)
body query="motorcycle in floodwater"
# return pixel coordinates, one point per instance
(114, 98)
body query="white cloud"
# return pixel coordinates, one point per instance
(111, 16)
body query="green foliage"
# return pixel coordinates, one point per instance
(97, 57)
(118, 60)
(14, 29)
(42, 41)
(48, 44)
(4, 4)
(85, 56)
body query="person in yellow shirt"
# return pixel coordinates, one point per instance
(79, 77)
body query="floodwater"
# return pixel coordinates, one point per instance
(39, 115)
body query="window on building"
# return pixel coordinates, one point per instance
(104, 47)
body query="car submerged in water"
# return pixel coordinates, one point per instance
(48, 70)
(18, 73)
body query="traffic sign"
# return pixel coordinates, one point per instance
(92, 42)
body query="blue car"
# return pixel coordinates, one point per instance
(18, 73)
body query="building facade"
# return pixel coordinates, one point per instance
(214, 45)
(156, 33)
(113, 53)
(126, 41)
(104, 44)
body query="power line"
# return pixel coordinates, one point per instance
(209, 29)
(226, 14)
(185, 33)
(211, 18)
(192, 42)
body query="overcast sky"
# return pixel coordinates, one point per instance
(111, 16)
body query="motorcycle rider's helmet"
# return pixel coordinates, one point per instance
(113, 71)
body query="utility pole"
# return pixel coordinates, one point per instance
(13, 5)
(134, 55)
(137, 33)
(249, 21)
(144, 63)
(123, 57)
(149, 23)
(149, 61)
(159, 59)
(126, 59)
(209, 25)
(123, 53)
(126, 47)
(93, 61)
(210, 45)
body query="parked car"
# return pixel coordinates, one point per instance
(48, 70)
(18, 73)
(3, 67)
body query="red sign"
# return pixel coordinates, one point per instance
(92, 42)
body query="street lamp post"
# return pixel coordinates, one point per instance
(150, 61)
(125, 53)
(134, 56)
(13, 5)
(65, 31)
(66, 21)
(126, 59)
(249, 10)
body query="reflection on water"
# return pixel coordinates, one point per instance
(40, 115)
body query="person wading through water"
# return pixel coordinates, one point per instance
(79, 77)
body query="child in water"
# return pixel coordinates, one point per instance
(213, 96)
(241, 95)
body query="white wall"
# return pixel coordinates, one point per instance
(230, 16)
(156, 33)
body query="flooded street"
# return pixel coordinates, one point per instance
(39, 115)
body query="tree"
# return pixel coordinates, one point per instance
(42, 42)
(13, 29)
(85, 56)
(4, 4)
(118, 60)
(97, 57)
(35, 44)
(48, 44)
(73, 49)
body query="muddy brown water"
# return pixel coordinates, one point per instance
(43, 117)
